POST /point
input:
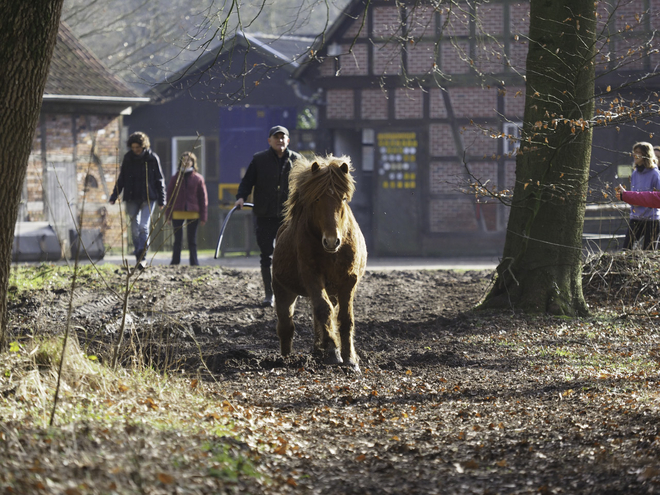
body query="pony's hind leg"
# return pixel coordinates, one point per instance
(325, 334)
(285, 303)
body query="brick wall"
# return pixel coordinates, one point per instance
(374, 104)
(484, 172)
(458, 21)
(327, 68)
(355, 63)
(387, 59)
(456, 215)
(421, 57)
(489, 57)
(386, 22)
(408, 103)
(446, 177)
(357, 29)
(421, 22)
(518, 54)
(340, 104)
(654, 7)
(629, 54)
(453, 55)
(437, 102)
(519, 18)
(473, 102)
(441, 140)
(514, 103)
(629, 14)
(490, 19)
(478, 142)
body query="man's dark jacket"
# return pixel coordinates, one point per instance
(269, 180)
(136, 172)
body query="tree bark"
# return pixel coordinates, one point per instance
(28, 31)
(541, 267)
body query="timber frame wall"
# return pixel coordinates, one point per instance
(433, 73)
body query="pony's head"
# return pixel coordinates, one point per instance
(319, 192)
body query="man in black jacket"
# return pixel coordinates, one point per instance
(268, 174)
(141, 181)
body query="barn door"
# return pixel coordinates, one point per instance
(61, 197)
(397, 192)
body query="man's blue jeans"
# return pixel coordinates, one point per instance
(140, 217)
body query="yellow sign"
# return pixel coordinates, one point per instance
(398, 160)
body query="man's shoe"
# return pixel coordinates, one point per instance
(268, 301)
(140, 265)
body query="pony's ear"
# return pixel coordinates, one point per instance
(344, 168)
(315, 167)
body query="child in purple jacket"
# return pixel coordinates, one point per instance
(645, 180)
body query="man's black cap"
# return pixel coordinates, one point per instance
(278, 128)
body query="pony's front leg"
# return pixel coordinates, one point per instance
(325, 335)
(285, 303)
(347, 330)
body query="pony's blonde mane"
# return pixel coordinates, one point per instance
(306, 186)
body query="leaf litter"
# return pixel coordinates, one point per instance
(449, 401)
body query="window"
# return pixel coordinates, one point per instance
(368, 150)
(196, 144)
(511, 145)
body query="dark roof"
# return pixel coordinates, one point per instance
(282, 52)
(290, 48)
(76, 71)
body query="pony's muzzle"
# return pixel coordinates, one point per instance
(331, 244)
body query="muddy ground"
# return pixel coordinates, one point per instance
(448, 401)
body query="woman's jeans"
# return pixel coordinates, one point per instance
(191, 228)
(140, 217)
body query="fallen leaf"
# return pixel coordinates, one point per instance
(165, 478)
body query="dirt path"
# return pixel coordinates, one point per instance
(446, 403)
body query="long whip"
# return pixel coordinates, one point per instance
(224, 226)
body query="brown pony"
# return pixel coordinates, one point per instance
(320, 253)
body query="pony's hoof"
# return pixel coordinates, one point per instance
(333, 357)
(354, 367)
(285, 348)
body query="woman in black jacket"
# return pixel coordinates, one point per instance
(143, 186)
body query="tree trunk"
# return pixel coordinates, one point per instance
(541, 268)
(28, 30)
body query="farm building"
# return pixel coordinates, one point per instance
(422, 95)
(78, 145)
(426, 99)
(221, 107)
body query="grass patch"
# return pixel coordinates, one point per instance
(147, 429)
(56, 277)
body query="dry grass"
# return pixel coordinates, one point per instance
(125, 431)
